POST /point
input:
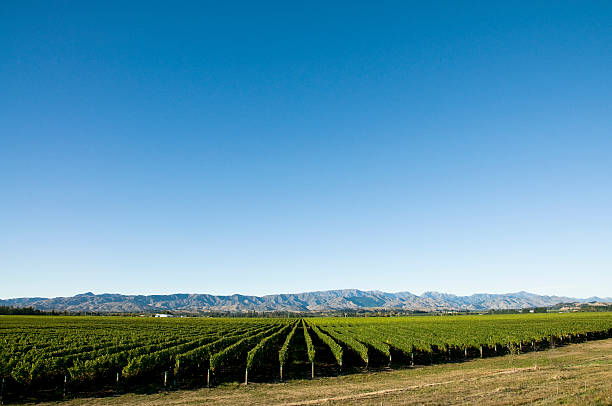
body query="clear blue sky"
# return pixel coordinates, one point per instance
(228, 147)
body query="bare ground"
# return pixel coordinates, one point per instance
(578, 374)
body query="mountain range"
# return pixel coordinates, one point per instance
(345, 299)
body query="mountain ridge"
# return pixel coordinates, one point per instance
(341, 299)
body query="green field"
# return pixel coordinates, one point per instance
(49, 357)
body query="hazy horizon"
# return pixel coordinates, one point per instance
(271, 147)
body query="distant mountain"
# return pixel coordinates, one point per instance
(310, 301)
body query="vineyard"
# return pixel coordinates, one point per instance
(54, 357)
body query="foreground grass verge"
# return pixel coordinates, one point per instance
(572, 374)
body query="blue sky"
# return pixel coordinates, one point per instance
(230, 147)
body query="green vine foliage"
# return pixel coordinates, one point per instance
(335, 348)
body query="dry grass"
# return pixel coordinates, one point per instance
(574, 374)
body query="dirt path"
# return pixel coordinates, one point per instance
(573, 374)
(383, 392)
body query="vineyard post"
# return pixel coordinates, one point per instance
(312, 370)
(481, 351)
(465, 352)
(165, 379)
(389, 358)
(281, 372)
(246, 376)
(2, 392)
(412, 359)
(117, 386)
(65, 386)
(208, 378)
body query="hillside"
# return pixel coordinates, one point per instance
(309, 301)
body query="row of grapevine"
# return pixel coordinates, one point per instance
(109, 364)
(199, 357)
(231, 353)
(38, 351)
(283, 353)
(263, 350)
(449, 335)
(161, 359)
(86, 349)
(80, 365)
(371, 339)
(350, 342)
(335, 348)
(310, 349)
